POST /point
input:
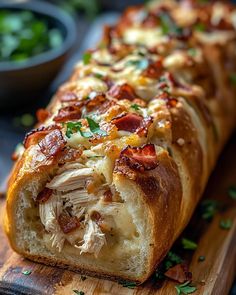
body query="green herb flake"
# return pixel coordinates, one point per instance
(98, 75)
(95, 128)
(201, 258)
(140, 64)
(168, 26)
(26, 272)
(232, 192)
(226, 224)
(87, 57)
(200, 27)
(185, 288)
(77, 292)
(127, 284)
(232, 78)
(72, 127)
(135, 106)
(192, 52)
(188, 244)
(209, 208)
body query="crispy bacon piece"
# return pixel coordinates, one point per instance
(67, 96)
(37, 134)
(132, 123)
(42, 115)
(107, 196)
(95, 102)
(140, 158)
(171, 102)
(154, 70)
(96, 216)
(128, 122)
(151, 21)
(124, 91)
(44, 195)
(68, 223)
(68, 113)
(52, 144)
(179, 273)
(143, 129)
(108, 34)
(106, 106)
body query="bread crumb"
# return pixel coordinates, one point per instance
(181, 141)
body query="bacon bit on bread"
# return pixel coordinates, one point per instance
(133, 123)
(68, 223)
(107, 196)
(124, 91)
(171, 102)
(66, 96)
(128, 122)
(52, 144)
(154, 70)
(34, 136)
(95, 102)
(42, 115)
(179, 273)
(44, 195)
(140, 158)
(68, 113)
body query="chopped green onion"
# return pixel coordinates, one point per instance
(226, 224)
(87, 57)
(188, 244)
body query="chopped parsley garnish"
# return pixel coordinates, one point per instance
(226, 224)
(232, 78)
(77, 126)
(77, 292)
(168, 26)
(140, 64)
(185, 288)
(209, 208)
(135, 106)
(95, 128)
(232, 192)
(127, 284)
(200, 27)
(24, 34)
(201, 258)
(98, 75)
(87, 57)
(192, 51)
(188, 244)
(26, 272)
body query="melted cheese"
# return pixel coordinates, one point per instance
(146, 36)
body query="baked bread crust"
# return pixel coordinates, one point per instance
(159, 129)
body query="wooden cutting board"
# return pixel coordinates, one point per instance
(213, 276)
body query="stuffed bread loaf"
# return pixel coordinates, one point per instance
(119, 160)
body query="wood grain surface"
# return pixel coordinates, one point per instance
(213, 276)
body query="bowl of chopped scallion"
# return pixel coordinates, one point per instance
(35, 40)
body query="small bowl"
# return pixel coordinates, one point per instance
(21, 83)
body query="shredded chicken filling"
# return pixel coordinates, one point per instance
(89, 219)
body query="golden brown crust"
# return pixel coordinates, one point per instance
(190, 118)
